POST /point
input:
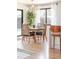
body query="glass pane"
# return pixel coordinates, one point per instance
(48, 16)
(19, 21)
(42, 17)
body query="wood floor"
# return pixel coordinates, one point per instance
(54, 54)
(39, 50)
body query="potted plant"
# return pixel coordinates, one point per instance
(30, 17)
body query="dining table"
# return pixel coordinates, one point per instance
(36, 30)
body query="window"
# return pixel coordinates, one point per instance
(42, 16)
(19, 21)
(45, 15)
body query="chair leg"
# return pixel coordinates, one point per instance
(60, 43)
(23, 38)
(26, 38)
(29, 40)
(43, 38)
(38, 38)
(53, 41)
(34, 39)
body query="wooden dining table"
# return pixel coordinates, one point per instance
(36, 30)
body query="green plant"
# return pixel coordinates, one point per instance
(30, 17)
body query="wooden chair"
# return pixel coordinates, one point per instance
(56, 32)
(42, 33)
(26, 34)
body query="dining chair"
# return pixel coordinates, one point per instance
(56, 32)
(26, 34)
(41, 32)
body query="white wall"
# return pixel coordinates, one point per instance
(56, 14)
(24, 8)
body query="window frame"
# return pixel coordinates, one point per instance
(21, 15)
(45, 13)
(21, 18)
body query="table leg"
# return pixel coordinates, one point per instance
(60, 43)
(34, 39)
(43, 38)
(53, 41)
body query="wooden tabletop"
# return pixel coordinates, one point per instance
(36, 29)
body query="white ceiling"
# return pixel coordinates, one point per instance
(36, 1)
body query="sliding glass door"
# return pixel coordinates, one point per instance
(45, 15)
(19, 21)
(42, 16)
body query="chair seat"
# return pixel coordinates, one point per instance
(38, 33)
(22, 35)
(32, 33)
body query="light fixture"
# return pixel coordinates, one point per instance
(57, 3)
(32, 5)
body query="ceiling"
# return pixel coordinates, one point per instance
(36, 1)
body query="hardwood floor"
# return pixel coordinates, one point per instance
(54, 54)
(38, 50)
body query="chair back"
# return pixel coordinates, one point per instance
(42, 27)
(25, 29)
(56, 29)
